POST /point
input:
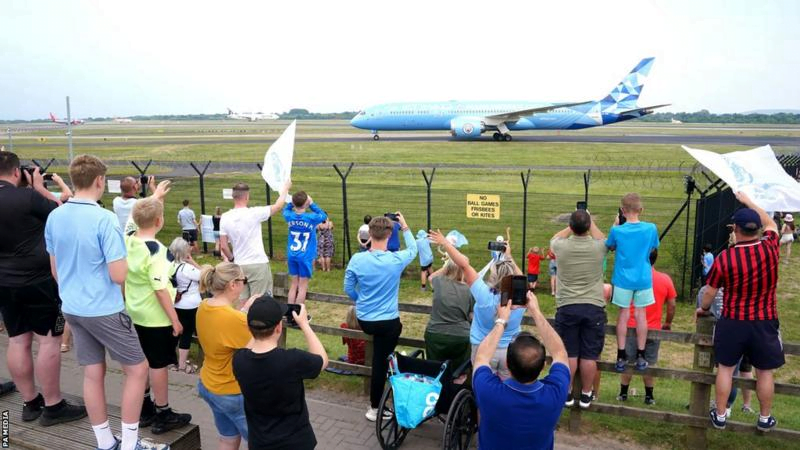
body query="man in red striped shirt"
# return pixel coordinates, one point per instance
(749, 322)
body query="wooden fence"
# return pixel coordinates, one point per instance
(701, 376)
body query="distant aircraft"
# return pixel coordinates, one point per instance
(251, 116)
(122, 120)
(471, 119)
(675, 121)
(54, 119)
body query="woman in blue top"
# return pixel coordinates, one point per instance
(487, 298)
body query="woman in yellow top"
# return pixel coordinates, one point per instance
(222, 330)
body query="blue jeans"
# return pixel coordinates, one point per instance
(228, 412)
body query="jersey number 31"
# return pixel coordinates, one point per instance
(297, 245)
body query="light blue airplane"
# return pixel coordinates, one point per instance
(468, 120)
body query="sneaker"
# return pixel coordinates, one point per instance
(622, 397)
(372, 414)
(570, 401)
(168, 420)
(585, 400)
(767, 425)
(620, 365)
(641, 364)
(747, 409)
(7, 387)
(145, 444)
(66, 413)
(117, 443)
(718, 424)
(649, 401)
(33, 409)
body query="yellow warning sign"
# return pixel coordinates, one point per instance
(483, 206)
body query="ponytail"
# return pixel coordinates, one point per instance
(213, 280)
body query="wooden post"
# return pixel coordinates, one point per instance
(279, 283)
(575, 411)
(367, 360)
(701, 392)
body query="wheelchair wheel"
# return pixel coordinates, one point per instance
(390, 434)
(461, 423)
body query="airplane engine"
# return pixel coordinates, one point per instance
(467, 127)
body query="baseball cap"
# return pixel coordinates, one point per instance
(265, 313)
(747, 219)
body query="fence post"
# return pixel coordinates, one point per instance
(587, 178)
(428, 182)
(525, 179)
(701, 392)
(575, 413)
(10, 140)
(346, 223)
(202, 175)
(142, 174)
(690, 185)
(368, 349)
(269, 222)
(279, 282)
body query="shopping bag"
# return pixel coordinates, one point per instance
(415, 395)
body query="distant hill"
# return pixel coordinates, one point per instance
(773, 111)
(704, 116)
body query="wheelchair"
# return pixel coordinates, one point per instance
(456, 407)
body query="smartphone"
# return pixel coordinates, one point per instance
(392, 216)
(514, 288)
(622, 218)
(581, 205)
(496, 246)
(293, 307)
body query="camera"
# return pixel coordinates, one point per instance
(23, 182)
(581, 205)
(514, 288)
(392, 216)
(293, 307)
(497, 246)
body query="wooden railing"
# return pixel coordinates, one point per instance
(701, 376)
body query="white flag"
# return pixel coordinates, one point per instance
(277, 168)
(755, 172)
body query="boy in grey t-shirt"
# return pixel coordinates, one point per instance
(188, 222)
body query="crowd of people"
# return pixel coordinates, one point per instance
(68, 262)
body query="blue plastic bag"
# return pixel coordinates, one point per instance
(415, 396)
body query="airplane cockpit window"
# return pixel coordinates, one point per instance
(361, 113)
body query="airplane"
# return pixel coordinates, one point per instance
(251, 116)
(122, 120)
(469, 120)
(54, 119)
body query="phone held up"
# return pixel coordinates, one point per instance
(514, 288)
(497, 246)
(392, 216)
(622, 218)
(581, 205)
(293, 307)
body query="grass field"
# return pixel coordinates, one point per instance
(467, 167)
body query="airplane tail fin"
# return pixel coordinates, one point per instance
(626, 93)
(53, 118)
(229, 111)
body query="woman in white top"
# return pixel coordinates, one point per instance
(187, 298)
(787, 234)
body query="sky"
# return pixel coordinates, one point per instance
(117, 59)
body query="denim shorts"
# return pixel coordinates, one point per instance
(228, 412)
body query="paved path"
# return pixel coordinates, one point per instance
(338, 419)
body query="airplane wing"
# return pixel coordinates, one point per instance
(645, 110)
(513, 116)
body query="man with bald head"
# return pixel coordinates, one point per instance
(123, 204)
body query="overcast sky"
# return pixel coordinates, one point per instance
(179, 57)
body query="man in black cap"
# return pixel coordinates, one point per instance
(748, 325)
(271, 378)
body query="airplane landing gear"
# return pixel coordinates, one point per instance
(501, 137)
(507, 137)
(497, 136)
(375, 137)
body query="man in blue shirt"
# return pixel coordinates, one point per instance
(88, 259)
(425, 258)
(521, 412)
(708, 261)
(372, 280)
(633, 242)
(301, 242)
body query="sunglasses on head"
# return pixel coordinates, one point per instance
(243, 280)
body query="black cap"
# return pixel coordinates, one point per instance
(747, 219)
(265, 313)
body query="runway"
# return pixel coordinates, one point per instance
(688, 139)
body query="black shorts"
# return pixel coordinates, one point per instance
(158, 345)
(533, 277)
(190, 236)
(35, 308)
(582, 327)
(758, 340)
(426, 268)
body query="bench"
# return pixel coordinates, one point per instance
(78, 434)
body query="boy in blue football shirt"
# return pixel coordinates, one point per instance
(632, 279)
(301, 243)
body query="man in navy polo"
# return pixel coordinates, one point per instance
(522, 412)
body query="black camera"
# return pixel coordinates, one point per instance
(497, 246)
(392, 216)
(514, 288)
(23, 182)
